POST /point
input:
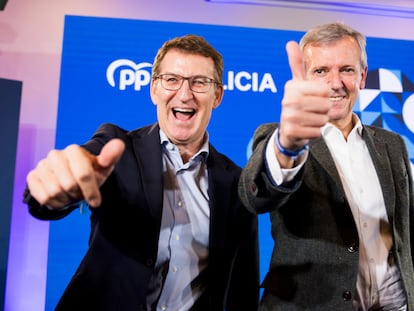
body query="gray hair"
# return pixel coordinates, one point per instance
(330, 33)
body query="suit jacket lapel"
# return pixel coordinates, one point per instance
(320, 151)
(219, 184)
(147, 150)
(379, 155)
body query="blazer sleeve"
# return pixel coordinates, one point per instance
(102, 135)
(43, 212)
(256, 190)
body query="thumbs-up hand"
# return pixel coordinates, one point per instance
(73, 174)
(305, 104)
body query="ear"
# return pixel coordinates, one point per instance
(219, 92)
(363, 78)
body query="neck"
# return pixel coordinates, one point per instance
(345, 125)
(188, 150)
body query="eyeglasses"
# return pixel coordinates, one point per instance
(198, 84)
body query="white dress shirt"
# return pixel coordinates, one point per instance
(378, 284)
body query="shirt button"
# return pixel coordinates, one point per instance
(352, 248)
(253, 188)
(346, 295)
(177, 237)
(163, 307)
(175, 269)
(180, 203)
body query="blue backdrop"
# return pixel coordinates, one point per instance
(105, 76)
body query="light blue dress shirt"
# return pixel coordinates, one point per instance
(178, 280)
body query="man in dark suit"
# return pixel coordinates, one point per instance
(168, 231)
(339, 193)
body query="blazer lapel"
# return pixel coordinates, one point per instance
(379, 156)
(147, 150)
(320, 151)
(219, 184)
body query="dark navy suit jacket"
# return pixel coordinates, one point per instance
(117, 267)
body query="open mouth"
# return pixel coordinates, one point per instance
(183, 114)
(336, 98)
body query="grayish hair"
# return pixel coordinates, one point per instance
(330, 33)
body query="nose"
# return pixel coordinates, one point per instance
(185, 92)
(335, 80)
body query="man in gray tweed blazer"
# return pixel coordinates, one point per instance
(339, 193)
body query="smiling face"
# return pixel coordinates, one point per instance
(339, 65)
(183, 115)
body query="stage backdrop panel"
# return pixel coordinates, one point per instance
(10, 91)
(105, 77)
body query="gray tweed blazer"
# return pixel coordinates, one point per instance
(314, 264)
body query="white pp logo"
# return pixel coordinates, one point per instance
(128, 73)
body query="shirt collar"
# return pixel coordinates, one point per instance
(328, 127)
(202, 153)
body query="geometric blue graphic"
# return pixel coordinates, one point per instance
(382, 101)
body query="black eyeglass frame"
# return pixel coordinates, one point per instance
(208, 81)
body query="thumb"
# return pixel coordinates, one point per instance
(110, 153)
(295, 60)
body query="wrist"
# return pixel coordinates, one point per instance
(293, 154)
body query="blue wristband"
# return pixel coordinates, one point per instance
(289, 153)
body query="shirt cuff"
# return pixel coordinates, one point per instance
(277, 174)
